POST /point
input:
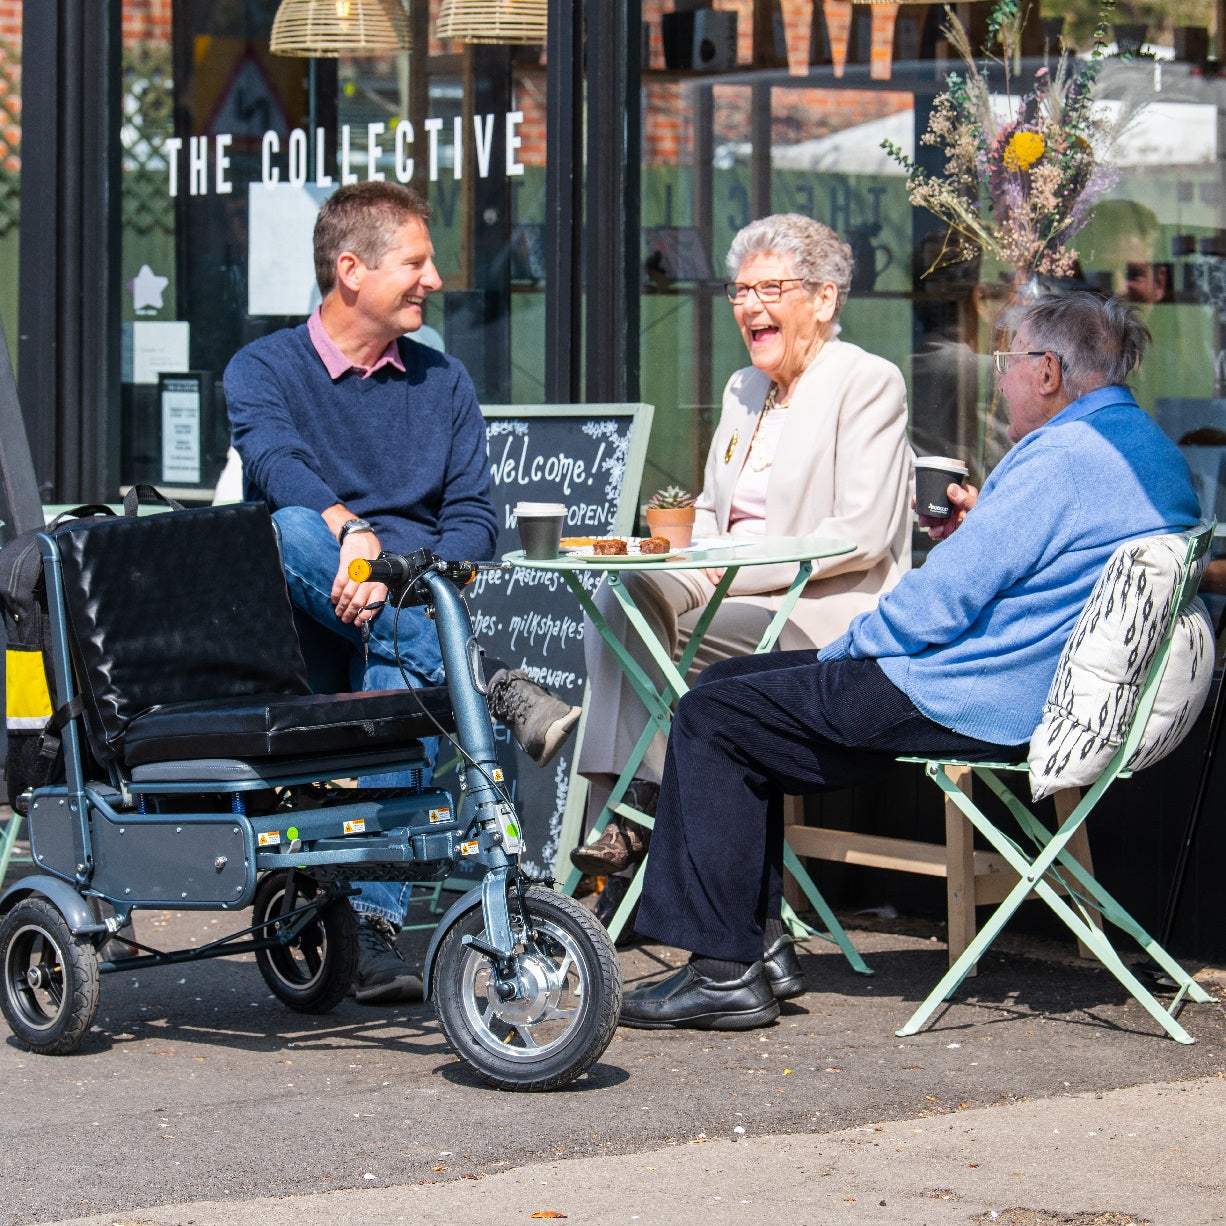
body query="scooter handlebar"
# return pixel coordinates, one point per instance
(397, 570)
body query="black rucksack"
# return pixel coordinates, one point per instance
(33, 716)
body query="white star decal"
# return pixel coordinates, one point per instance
(147, 289)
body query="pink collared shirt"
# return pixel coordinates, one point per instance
(335, 362)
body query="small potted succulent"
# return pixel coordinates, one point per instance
(670, 514)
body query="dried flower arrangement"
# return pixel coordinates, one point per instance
(1017, 185)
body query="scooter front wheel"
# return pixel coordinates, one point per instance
(565, 1007)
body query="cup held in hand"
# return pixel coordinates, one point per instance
(933, 476)
(540, 528)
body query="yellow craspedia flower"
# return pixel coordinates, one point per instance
(1023, 150)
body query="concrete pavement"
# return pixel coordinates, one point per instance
(1151, 1153)
(197, 1090)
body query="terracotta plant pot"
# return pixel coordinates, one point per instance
(675, 524)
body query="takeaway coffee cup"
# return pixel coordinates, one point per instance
(540, 528)
(933, 475)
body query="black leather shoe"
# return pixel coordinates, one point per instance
(783, 971)
(686, 999)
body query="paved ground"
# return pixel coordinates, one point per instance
(198, 1090)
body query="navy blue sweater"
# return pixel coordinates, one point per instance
(405, 451)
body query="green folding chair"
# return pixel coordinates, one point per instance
(8, 844)
(1160, 661)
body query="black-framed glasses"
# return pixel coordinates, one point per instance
(1001, 357)
(767, 291)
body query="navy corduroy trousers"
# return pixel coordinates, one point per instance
(752, 730)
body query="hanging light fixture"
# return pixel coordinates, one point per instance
(493, 21)
(326, 29)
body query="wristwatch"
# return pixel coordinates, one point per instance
(352, 525)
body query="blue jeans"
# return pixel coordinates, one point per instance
(311, 556)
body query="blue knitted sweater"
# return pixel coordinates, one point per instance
(405, 451)
(973, 636)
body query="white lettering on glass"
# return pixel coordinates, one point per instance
(404, 163)
(223, 142)
(483, 138)
(198, 165)
(271, 144)
(514, 140)
(434, 127)
(373, 132)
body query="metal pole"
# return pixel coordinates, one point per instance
(20, 506)
(1189, 832)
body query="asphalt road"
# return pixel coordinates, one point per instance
(196, 1085)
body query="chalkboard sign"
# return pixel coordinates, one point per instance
(590, 457)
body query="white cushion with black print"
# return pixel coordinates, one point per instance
(1094, 694)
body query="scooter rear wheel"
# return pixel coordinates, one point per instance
(312, 972)
(50, 991)
(564, 1013)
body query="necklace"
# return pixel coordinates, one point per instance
(758, 459)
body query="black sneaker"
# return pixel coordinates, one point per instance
(539, 721)
(383, 975)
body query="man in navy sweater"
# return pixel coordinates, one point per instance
(955, 661)
(362, 440)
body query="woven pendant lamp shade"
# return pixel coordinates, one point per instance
(493, 21)
(325, 29)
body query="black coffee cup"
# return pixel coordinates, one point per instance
(540, 528)
(934, 475)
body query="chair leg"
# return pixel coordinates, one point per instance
(1066, 800)
(8, 842)
(793, 815)
(835, 932)
(959, 870)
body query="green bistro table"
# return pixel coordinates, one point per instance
(729, 555)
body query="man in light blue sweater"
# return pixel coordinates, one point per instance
(361, 439)
(956, 660)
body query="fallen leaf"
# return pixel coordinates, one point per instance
(438, 1168)
(548, 1213)
(466, 1175)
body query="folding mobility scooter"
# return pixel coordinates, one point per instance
(200, 773)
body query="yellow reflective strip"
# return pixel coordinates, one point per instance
(25, 686)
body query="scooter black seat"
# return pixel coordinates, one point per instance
(280, 725)
(184, 648)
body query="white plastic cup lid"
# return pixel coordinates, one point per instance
(941, 461)
(539, 508)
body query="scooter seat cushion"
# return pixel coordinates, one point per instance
(279, 725)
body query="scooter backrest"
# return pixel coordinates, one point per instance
(176, 607)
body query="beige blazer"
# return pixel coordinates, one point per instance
(842, 469)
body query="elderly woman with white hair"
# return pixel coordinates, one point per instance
(811, 440)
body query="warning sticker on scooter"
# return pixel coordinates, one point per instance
(470, 848)
(498, 775)
(270, 838)
(440, 815)
(355, 825)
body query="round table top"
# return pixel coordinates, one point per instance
(704, 554)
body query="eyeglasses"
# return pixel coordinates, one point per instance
(1001, 357)
(767, 291)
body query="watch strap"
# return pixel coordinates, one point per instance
(352, 525)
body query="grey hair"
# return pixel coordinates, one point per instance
(1100, 340)
(815, 251)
